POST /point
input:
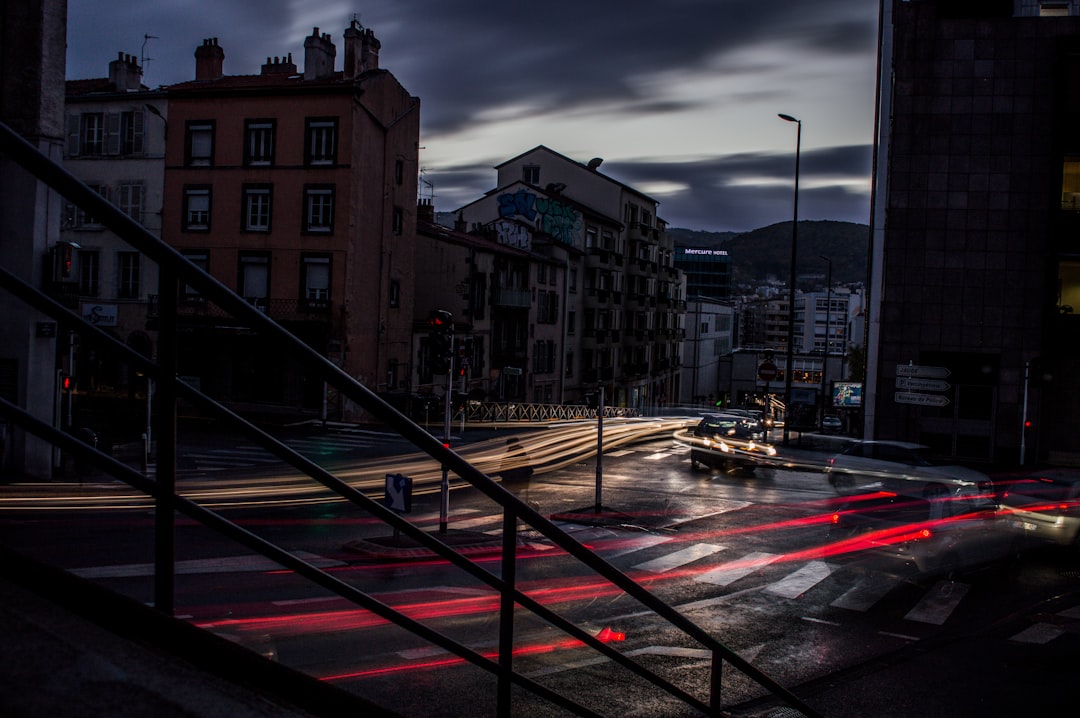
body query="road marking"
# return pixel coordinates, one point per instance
(223, 564)
(797, 583)
(724, 507)
(620, 452)
(901, 636)
(938, 603)
(623, 547)
(866, 593)
(811, 619)
(732, 571)
(657, 456)
(1039, 633)
(679, 558)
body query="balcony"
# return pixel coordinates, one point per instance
(511, 298)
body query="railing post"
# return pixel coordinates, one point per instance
(715, 683)
(506, 612)
(164, 526)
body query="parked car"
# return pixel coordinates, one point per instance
(903, 468)
(831, 424)
(1045, 506)
(924, 533)
(729, 441)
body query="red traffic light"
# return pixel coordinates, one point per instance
(65, 382)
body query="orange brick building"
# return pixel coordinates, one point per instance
(298, 189)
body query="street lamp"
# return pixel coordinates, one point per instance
(791, 285)
(828, 316)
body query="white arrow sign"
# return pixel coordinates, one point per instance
(399, 493)
(922, 372)
(904, 397)
(921, 384)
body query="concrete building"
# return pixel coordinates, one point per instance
(115, 143)
(297, 188)
(626, 300)
(708, 271)
(974, 281)
(709, 337)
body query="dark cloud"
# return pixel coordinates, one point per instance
(558, 59)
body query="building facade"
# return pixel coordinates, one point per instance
(709, 337)
(708, 271)
(115, 143)
(974, 270)
(625, 299)
(297, 188)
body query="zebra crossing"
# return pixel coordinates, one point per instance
(242, 456)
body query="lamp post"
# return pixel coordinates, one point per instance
(828, 316)
(791, 285)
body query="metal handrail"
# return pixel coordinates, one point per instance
(174, 268)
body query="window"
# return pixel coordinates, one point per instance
(399, 171)
(92, 134)
(131, 132)
(89, 273)
(571, 322)
(395, 293)
(127, 275)
(572, 280)
(398, 220)
(1068, 300)
(197, 209)
(315, 281)
(130, 199)
(253, 282)
(1054, 9)
(199, 144)
(530, 174)
(188, 293)
(569, 364)
(321, 146)
(256, 208)
(318, 209)
(77, 218)
(258, 143)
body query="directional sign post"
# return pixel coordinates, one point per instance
(905, 397)
(922, 372)
(912, 384)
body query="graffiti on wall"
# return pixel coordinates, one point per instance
(562, 222)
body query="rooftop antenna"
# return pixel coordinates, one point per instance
(143, 59)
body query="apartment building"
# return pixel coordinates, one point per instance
(115, 143)
(297, 188)
(625, 301)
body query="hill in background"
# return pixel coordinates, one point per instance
(763, 253)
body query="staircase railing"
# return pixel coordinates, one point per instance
(175, 269)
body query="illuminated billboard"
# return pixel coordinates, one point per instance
(847, 394)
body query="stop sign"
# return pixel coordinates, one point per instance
(767, 371)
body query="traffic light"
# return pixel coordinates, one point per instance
(464, 355)
(440, 340)
(439, 352)
(64, 262)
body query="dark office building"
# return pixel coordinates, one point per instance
(975, 306)
(708, 271)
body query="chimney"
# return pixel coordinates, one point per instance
(425, 211)
(279, 66)
(319, 56)
(361, 50)
(209, 60)
(125, 74)
(460, 225)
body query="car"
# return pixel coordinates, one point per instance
(925, 533)
(729, 441)
(831, 424)
(905, 468)
(1044, 506)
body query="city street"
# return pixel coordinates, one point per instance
(748, 558)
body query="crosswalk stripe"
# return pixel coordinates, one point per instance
(936, 606)
(801, 581)
(1039, 633)
(865, 594)
(734, 570)
(657, 456)
(679, 558)
(631, 545)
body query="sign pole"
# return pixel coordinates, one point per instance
(599, 447)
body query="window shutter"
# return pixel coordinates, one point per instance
(112, 133)
(73, 135)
